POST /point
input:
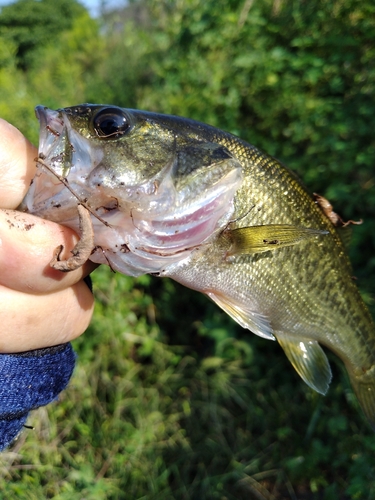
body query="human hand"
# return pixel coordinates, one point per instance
(40, 306)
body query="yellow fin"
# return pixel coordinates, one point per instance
(309, 361)
(257, 239)
(246, 317)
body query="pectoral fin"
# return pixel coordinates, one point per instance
(309, 361)
(244, 316)
(257, 239)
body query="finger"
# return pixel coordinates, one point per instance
(46, 320)
(26, 248)
(17, 165)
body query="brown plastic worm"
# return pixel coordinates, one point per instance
(83, 249)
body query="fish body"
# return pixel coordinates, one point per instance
(185, 200)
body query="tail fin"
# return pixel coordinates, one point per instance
(364, 388)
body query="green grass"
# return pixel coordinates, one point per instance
(162, 406)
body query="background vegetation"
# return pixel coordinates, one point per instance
(171, 399)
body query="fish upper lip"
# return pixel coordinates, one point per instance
(52, 127)
(40, 113)
(50, 120)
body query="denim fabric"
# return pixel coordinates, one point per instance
(29, 380)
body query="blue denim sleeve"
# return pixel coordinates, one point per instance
(29, 380)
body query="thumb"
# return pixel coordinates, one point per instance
(17, 166)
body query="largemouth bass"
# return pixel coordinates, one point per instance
(177, 198)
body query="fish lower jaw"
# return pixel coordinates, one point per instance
(134, 253)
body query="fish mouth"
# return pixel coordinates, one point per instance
(49, 120)
(62, 153)
(151, 224)
(54, 144)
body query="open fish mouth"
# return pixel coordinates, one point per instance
(52, 131)
(140, 226)
(64, 154)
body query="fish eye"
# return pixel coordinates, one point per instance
(110, 123)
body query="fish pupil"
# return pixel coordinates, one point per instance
(110, 123)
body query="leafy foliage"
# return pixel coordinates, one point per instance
(30, 24)
(171, 399)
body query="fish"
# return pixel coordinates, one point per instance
(173, 197)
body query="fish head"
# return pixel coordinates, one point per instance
(161, 190)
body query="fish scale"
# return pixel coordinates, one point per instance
(337, 315)
(265, 252)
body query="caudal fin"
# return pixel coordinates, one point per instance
(364, 388)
